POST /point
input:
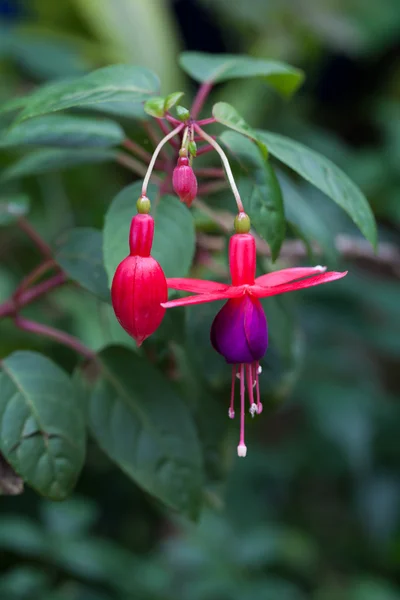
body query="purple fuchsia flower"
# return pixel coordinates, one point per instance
(239, 331)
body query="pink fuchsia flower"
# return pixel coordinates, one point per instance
(184, 181)
(239, 331)
(139, 285)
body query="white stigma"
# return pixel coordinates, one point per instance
(231, 413)
(259, 370)
(253, 409)
(320, 268)
(242, 450)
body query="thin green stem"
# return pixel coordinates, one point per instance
(155, 154)
(226, 164)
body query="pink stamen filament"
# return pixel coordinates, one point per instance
(242, 401)
(231, 411)
(259, 405)
(250, 379)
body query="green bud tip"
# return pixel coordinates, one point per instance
(242, 223)
(143, 205)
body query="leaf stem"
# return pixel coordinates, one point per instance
(34, 276)
(210, 172)
(207, 121)
(166, 130)
(12, 305)
(134, 165)
(212, 186)
(226, 164)
(36, 238)
(55, 334)
(136, 149)
(204, 150)
(155, 154)
(200, 98)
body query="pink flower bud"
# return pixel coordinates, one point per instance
(139, 285)
(184, 181)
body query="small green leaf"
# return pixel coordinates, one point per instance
(155, 107)
(260, 191)
(174, 237)
(227, 115)
(43, 161)
(12, 207)
(215, 68)
(183, 113)
(117, 83)
(80, 253)
(42, 428)
(64, 131)
(327, 177)
(172, 99)
(141, 423)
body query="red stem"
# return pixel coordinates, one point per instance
(55, 334)
(210, 172)
(11, 306)
(212, 186)
(204, 149)
(136, 149)
(172, 119)
(166, 130)
(42, 246)
(200, 98)
(34, 275)
(207, 121)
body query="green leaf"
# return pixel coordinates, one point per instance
(327, 177)
(260, 191)
(174, 234)
(80, 253)
(42, 429)
(43, 161)
(155, 106)
(13, 105)
(172, 99)
(182, 113)
(64, 131)
(301, 214)
(215, 68)
(141, 423)
(227, 115)
(117, 83)
(12, 207)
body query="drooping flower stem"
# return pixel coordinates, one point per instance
(226, 164)
(156, 153)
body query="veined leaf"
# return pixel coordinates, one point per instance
(225, 114)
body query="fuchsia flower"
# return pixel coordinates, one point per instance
(184, 181)
(239, 331)
(139, 285)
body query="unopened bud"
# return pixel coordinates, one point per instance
(143, 205)
(184, 181)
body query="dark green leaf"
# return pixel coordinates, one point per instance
(80, 254)
(299, 212)
(172, 99)
(117, 83)
(141, 423)
(41, 423)
(43, 161)
(65, 131)
(174, 236)
(227, 115)
(155, 106)
(12, 207)
(260, 191)
(222, 67)
(327, 177)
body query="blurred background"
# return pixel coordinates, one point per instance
(314, 510)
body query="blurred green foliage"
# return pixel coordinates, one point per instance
(314, 510)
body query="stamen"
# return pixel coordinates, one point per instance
(231, 411)
(259, 405)
(241, 449)
(250, 381)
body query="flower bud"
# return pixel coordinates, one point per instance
(184, 181)
(139, 285)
